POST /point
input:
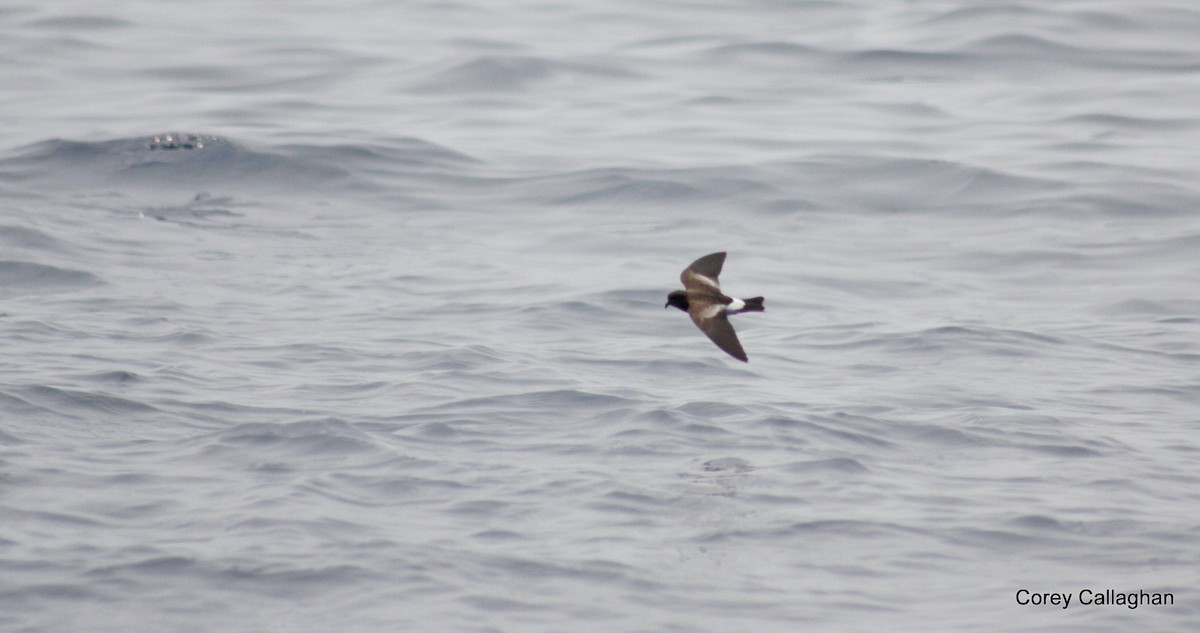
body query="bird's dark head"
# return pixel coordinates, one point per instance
(677, 299)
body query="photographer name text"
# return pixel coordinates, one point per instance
(1094, 597)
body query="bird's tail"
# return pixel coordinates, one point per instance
(754, 305)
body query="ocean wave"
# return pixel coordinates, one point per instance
(20, 278)
(167, 162)
(23, 237)
(514, 73)
(82, 404)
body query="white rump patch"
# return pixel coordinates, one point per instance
(735, 305)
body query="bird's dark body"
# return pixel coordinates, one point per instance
(679, 299)
(709, 308)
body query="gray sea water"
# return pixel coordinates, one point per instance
(349, 316)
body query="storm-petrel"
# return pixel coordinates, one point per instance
(708, 307)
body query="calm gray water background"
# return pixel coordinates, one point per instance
(383, 347)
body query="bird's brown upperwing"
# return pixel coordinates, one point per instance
(702, 274)
(710, 317)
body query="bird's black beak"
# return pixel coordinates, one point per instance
(666, 305)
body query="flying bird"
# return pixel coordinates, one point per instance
(709, 308)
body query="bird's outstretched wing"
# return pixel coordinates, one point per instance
(702, 274)
(711, 319)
